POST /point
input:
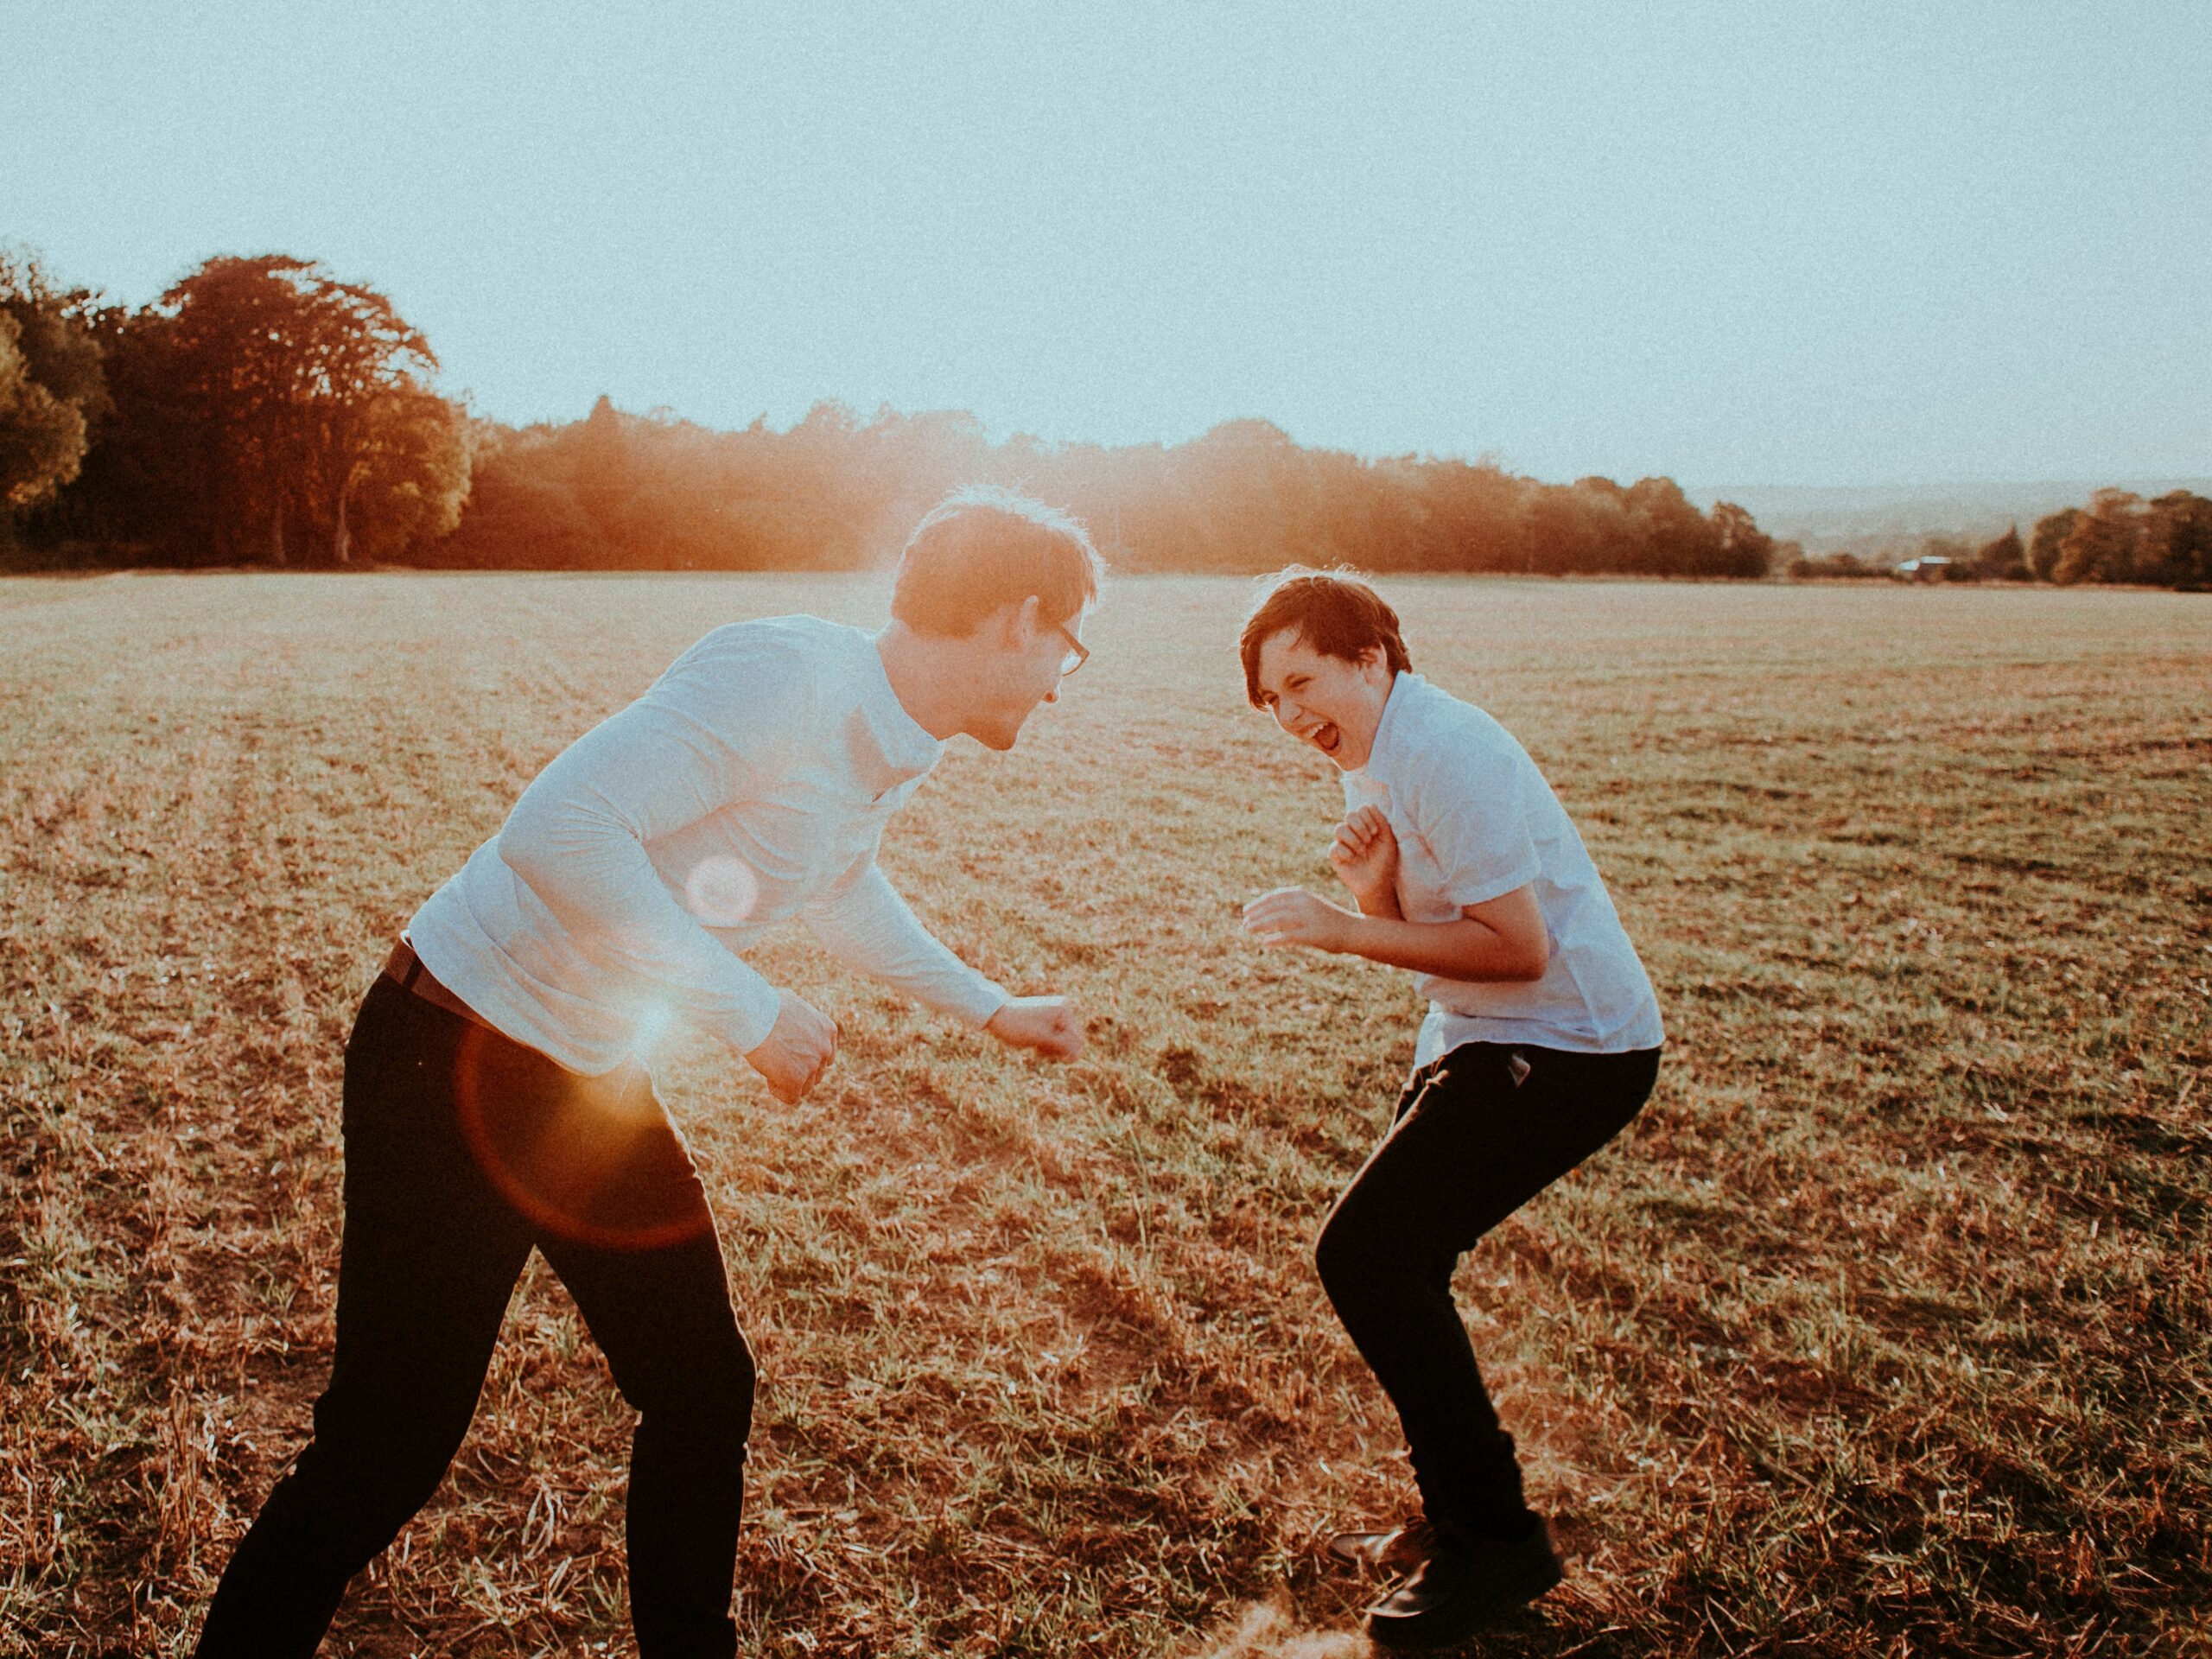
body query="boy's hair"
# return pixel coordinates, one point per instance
(981, 548)
(1334, 612)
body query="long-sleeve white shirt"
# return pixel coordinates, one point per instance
(761, 766)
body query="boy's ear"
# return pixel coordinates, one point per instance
(1021, 620)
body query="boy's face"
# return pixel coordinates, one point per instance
(1329, 701)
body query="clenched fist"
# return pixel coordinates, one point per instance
(796, 1051)
(1364, 855)
(1049, 1026)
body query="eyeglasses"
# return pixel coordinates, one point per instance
(1079, 653)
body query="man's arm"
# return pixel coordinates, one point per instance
(868, 927)
(577, 839)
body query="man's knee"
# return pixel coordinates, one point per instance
(355, 1496)
(708, 1386)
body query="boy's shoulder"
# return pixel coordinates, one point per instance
(1441, 733)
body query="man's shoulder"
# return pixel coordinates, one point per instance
(804, 649)
(794, 639)
(774, 666)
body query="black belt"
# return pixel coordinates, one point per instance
(404, 967)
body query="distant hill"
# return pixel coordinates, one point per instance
(1893, 518)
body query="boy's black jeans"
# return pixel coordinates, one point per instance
(1475, 1137)
(463, 1151)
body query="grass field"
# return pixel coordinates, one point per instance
(1883, 1330)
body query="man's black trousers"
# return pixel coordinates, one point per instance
(463, 1151)
(1478, 1133)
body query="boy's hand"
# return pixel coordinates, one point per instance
(1365, 857)
(1048, 1026)
(796, 1051)
(1293, 916)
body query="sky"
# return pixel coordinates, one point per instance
(1768, 243)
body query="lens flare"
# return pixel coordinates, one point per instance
(721, 890)
(594, 1159)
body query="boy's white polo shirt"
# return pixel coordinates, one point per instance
(1474, 820)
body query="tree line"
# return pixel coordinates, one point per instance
(264, 412)
(2116, 536)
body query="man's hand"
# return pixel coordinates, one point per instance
(1293, 916)
(796, 1051)
(1048, 1025)
(1365, 858)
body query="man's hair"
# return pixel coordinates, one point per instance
(981, 548)
(1334, 612)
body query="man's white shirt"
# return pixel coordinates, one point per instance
(767, 760)
(1475, 819)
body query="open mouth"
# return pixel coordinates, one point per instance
(1327, 737)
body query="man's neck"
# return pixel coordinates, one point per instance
(931, 676)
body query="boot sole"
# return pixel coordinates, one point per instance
(1453, 1622)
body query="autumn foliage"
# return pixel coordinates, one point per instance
(265, 411)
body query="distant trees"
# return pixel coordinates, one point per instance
(2049, 537)
(53, 393)
(306, 398)
(2003, 558)
(2099, 543)
(837, 491)
(2176, 546)
(2119, 537)
(265, 410)
(2115, 537)
(262, 409)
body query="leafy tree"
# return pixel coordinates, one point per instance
(605, 477)
(414, 472)
(282, 368)
(2101, 546)
(2004, 558)
(2176, 549)
(53, 393)
(41, 436)
(2049, 537)
(1744, 549)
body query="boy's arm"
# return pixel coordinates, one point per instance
(1502, 939)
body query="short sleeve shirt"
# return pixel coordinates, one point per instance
(1474, 820)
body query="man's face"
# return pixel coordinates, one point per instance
(1029, 658)
(1332, 704)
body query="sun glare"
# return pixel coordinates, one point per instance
(721, 890)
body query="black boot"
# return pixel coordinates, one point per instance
(1467, 1582)
(1399, 1550)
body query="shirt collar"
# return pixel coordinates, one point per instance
(1404, 687)
(886, 745)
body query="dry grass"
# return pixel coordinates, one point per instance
(1884, 1330)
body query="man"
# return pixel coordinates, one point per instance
(492, 1101)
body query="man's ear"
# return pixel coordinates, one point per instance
(1022, 621)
